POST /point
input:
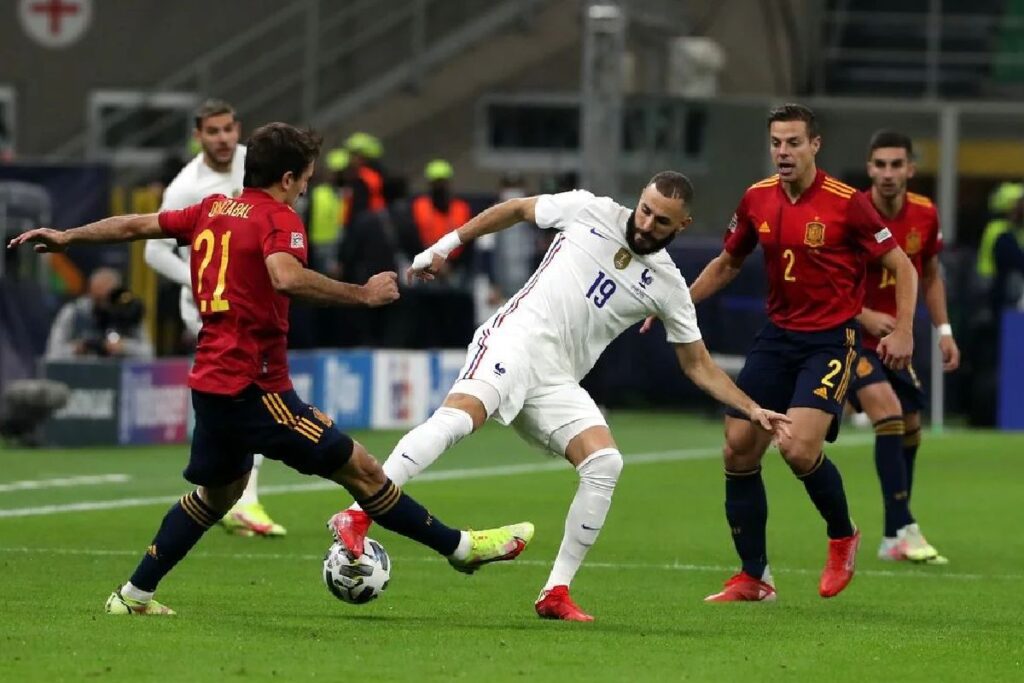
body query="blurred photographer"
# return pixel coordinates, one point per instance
(105, 321)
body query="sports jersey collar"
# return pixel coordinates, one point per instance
(899, 214)
(812, 190)
(255, 193)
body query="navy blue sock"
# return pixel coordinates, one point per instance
(824, 485)
(746, 508)
(892, 474)
(183, 526)
(398, 512)
(911, 442)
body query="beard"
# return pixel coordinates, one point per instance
(641, 245)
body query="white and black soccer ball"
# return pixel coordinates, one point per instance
(360, 581)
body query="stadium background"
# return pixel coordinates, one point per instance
(551, 89)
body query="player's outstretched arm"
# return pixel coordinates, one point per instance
(140, 226)
(696, 362)
(719, 272)
(935, 298)
(897, 348)
(291, 278)
(494, 219)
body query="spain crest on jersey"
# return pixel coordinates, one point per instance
(814, 236)
(622, 258)
(913, 242)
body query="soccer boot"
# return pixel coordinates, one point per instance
(744, 588)
(556, 604)
(120, 605)
(494, 545)
(839, 567)
(912, 545)
(250, 519)
(349, 528)
(889, 549)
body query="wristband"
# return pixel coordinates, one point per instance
(447, 244)
(944, 330)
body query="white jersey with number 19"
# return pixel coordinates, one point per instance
(589, 288)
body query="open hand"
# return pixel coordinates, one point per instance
(45, 239)
(425, 267)
(770, 421)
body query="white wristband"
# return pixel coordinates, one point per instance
(944, 330)
(447, 244)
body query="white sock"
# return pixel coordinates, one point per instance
(598, 475)
(130, 591)
(417, 450)
(250, 494)
(463, 548)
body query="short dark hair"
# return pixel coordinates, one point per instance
(890, 138)
(212, 108)
(673, 185)
(795, 112)
(276, 148)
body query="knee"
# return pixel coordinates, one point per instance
(738, 458)
(602, 469)
(362, 475)
(799, 454)
(220, 499)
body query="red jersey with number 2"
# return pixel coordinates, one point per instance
(244, 338)
(815, 249)
(916, 229)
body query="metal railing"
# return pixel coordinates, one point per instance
(318, 61)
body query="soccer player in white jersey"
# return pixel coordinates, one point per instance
(217, 169)
(605, 271)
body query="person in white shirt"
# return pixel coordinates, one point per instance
(217, 169)
(605, 271)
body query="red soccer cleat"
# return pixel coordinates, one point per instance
(556, 604)
(349, 528)
(842, 558)
(744, 588)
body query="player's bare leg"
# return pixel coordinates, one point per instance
(459, 416)
(805, 457)
(248, 517)
(746, 509)
(598, 462)
(182, 527)
(381, 499)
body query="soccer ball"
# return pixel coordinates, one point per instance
(360, 581)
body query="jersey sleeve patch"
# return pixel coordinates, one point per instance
(882, 235)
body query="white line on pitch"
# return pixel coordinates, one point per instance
(58, 482)
(639, 566)
(440, 475)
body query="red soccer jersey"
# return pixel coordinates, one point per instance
(244, 337)
(815, 249)
(916, 229)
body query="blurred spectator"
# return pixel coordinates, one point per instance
(365, 178)
(326, 209)
(1007, 287)
(105, 321)
(1001, 203)
(437, 213)
(506, 258)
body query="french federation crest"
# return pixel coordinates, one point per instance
(622, 258)
(913, 242)
(815, 234)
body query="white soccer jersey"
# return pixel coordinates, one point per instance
(192, 184)
(590, 288)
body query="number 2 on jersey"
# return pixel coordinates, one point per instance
(601, 289)
(791, 259)
(206, 240)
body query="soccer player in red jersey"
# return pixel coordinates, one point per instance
(248, 257)
(893, 398)
(817, 235)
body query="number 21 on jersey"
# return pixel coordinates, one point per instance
(206, 241)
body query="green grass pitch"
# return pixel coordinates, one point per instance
(256, 610)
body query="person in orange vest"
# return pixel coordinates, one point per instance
(437, 213)
(367, 191)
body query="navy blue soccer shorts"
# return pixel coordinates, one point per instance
(230, 429)
(788, 369)
(871, 370)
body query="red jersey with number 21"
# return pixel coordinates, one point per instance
(244, 338)
(815, 249)
(916, 229)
